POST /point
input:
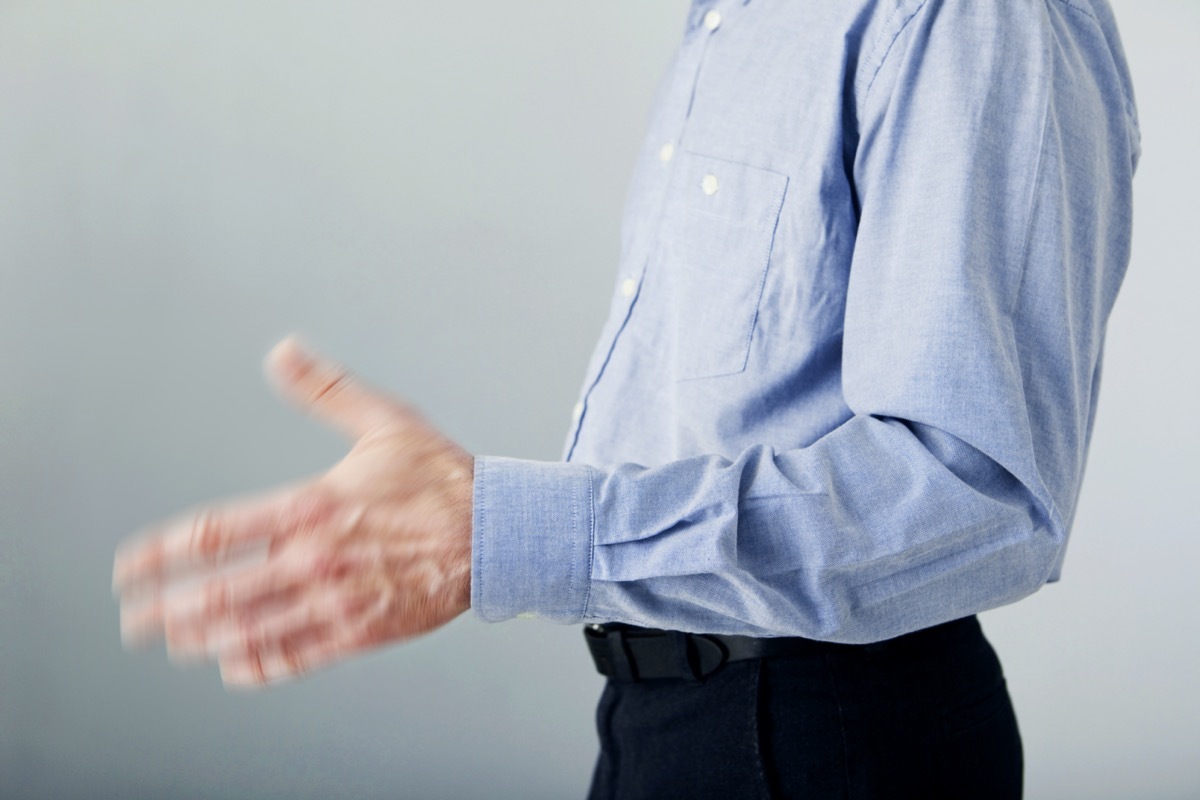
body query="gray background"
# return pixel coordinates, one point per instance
(431, 193)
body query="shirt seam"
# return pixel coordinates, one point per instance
(1130, 108)
(480, 472)
(1087, 12)
(762, 282)
(591, 549)
(1040, 491)
(883, 49)
(1034, 190)
(571, 564)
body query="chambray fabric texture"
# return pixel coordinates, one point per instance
(850, 373)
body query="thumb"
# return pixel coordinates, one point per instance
(327, 390)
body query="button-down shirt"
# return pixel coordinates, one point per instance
(850, 372)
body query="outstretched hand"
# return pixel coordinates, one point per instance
(375, 550)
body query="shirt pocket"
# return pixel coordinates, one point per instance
(715, 244)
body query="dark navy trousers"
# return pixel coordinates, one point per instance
(926, 715)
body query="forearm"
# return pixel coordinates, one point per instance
(879, 528)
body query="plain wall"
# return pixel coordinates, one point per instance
(431, 193)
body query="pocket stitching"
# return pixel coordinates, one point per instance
(764, 226)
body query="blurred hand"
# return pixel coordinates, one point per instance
(376, 550)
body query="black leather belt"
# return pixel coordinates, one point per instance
(629, 653)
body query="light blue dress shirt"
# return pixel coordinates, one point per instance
(850, 372)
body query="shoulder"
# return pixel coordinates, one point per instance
(963, 38)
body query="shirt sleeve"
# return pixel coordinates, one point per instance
(992, 172)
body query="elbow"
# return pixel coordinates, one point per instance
(990, 566)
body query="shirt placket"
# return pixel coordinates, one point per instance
(704, 20)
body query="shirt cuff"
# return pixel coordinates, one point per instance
(531, 539)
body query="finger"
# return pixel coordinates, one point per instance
(333, 608)
(198, 618)
(141, 621)
(366, 624)
(179, 611)
(329, 392)
(216, 535)
(300, 609)
(293, 657)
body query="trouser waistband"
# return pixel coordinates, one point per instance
(631, 653)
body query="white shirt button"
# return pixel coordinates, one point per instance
(712, 20)
(577, 412)
(628, 287)
(666, 152)
(709, 185)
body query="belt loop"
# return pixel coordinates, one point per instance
(622, 665)
(685, 663)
